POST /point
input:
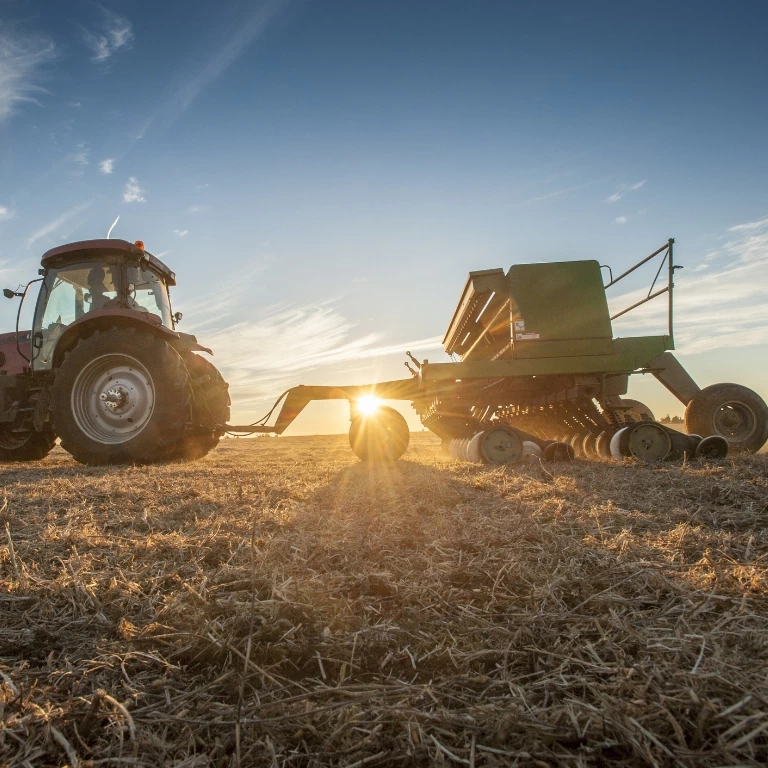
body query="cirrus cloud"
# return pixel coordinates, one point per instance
(22, 57)
(623, 190)
(115, 32)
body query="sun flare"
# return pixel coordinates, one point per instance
(368, 405)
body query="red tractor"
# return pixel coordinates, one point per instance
(104, 368)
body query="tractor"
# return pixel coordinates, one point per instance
(104, 367)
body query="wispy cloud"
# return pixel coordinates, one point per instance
(114, 32)
(22, 57)
(248, 30)
(107, 166)
(58, 222)
(623, 190)
(133, 193)
(621, 220)
(557, 193)
(181, 232)
(750, 226)
(714, 307)
(80, 155)
(262, 356)
(6, 213)
(197, 208)
(276, 347)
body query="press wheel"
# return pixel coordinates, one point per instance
(645, 441)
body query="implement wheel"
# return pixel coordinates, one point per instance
(603, 445)
(576, 442)
(382, 436)
(558, 452)
(734, 412)
(121, 397)
(634, 410)
(589, 446)
(645, 441)
(25, 446)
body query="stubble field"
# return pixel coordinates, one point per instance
(281, 604)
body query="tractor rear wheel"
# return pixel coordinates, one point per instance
(734, 412)
(210, 409)
(121, 397)
(25, 446)
(384, 436)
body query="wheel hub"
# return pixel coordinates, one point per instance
(735, 421)
(113, 398)
(649, 442)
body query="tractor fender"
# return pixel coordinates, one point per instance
(104, 319)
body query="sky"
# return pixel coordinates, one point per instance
(323, 175)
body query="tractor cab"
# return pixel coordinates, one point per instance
(96, 279)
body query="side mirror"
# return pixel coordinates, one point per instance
(177, 317)
(9, 294)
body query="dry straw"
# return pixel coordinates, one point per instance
(280, 604)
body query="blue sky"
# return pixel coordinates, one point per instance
(323, 175)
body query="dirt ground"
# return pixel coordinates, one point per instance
(281, 604)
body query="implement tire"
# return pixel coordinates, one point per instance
(210, 409)
(31, 446)
(636, 411)
(384, 436)
(732, 411)
(121, 397)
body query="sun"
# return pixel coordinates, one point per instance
(368, 405)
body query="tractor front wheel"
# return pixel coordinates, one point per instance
(734, 412)
(25, 446)
(121, 397)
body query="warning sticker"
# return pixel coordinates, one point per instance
(526, 336)
(519, 326)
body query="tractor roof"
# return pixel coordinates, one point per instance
(94, 250)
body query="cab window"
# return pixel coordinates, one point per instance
(69, 293)
(147, 292)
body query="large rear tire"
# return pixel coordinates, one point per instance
(210, 409)
(383, 436)
(28, 446)
(121, 397)
(734, 412)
